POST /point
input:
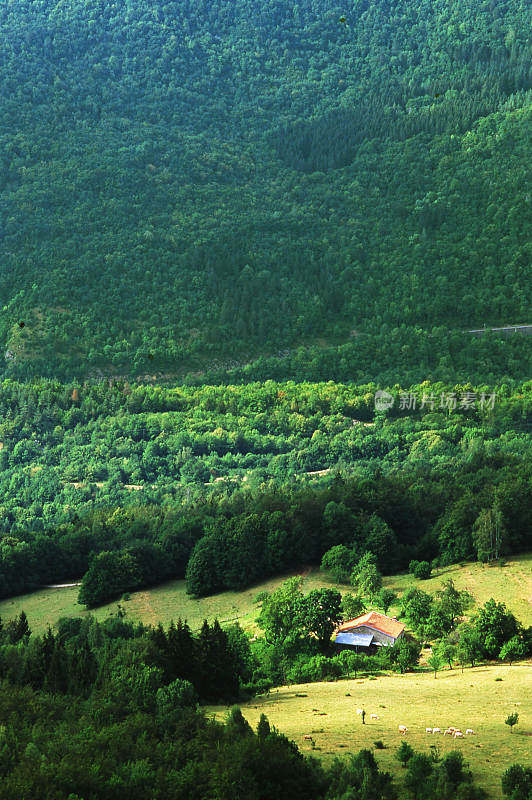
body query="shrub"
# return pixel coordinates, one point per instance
(517, 782)
(404, 753)
(339, 562)
(315, 668)
(110, 574)
(420, 569)
(512, 719)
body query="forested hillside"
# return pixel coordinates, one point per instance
(187, 186)
(232, 484)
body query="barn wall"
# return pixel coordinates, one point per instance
(377, 635)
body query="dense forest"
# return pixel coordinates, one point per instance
(305, 190)
(225, 226)
(230, 484)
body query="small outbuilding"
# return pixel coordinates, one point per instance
(368, 632)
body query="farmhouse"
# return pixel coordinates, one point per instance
(371, 630)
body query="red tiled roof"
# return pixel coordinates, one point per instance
(375, 620)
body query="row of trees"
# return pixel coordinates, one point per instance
(240, 538)
(121, 660)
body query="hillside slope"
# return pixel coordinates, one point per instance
(186, 187)
(511, 584)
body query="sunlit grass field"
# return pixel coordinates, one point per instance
(511, 584)
(472, 699)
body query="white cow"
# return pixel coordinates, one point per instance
(458, 735)
(373, 716)
(436, 730)
(359, 711)
(402, 729)
(428, 730)
(469, 730)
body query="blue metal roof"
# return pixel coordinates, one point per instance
(354, 639)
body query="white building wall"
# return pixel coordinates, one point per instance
(379, 636)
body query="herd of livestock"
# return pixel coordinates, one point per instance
(457, 733)
(451, 731)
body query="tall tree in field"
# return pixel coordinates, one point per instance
(489, 534)
(385, 598)
(279, 611)
(366, 577)
(83, 670)
(319, 613)
(18, 630)
(434, 661)
(453, 602)
(495, 625)
(181, 651)
(56, 680)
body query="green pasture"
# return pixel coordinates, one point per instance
(511, 584)
(479, 698)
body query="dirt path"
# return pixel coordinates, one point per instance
(146, 608)
(60, 585)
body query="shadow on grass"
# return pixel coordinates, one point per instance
(447, 570)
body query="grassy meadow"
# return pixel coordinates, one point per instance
(479, 698)
(511, 584)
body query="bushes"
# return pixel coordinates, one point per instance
(339, 562)
(110, 574)
(404, 655)
(359, 777)
(517, 782)
(315, 668)
(420, 569)
(427, 777)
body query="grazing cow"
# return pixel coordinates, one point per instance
(458, 735)
(308, 737)
(402, 729)
(373, 716)
(448, 732)
(436, 730)
(469, 730)
(428, 730)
